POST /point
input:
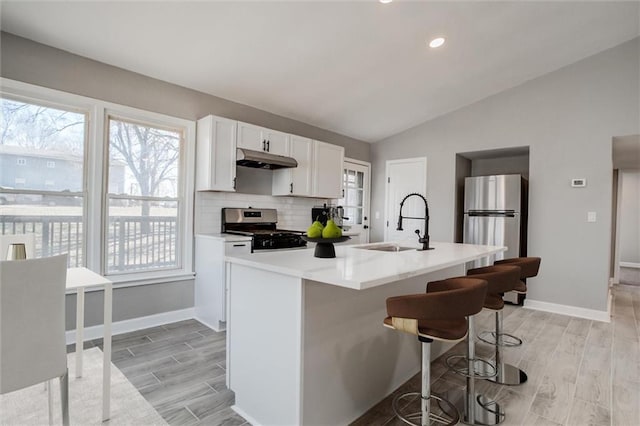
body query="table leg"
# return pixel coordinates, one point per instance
(79, 330)
(106, 373)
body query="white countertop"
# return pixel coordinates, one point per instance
(228, 238)
(360, 269)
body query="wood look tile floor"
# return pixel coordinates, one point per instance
(581, 372)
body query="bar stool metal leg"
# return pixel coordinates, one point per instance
(507, 374)
(450, 414)
(477, 409)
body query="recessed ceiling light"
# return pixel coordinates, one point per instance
(436, 42)
(385, 1)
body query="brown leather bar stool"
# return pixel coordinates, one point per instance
(529, 267)
(439, 314)
(506, 281)
(480, 410)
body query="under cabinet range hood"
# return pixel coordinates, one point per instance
(263, 160)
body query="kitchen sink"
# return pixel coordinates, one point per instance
(387, 247)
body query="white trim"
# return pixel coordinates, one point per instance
(95, 173)
(630, 265)
(573, 311)
(244, 415)
(96, 331)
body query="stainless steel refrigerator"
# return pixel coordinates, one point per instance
(495, 213)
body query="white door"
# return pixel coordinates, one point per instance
(356, 185)
(403, 178)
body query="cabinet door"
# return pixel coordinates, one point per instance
(277, 142)
(250, 137)
(327, 177)
(302, 176)
(235, 248)
(296, 181)
(216, 154)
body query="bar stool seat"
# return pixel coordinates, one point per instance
(438, 329)
(529, 267)
(438, 314)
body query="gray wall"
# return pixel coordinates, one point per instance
(35, 63)
(567, 118)
(630, 216)
(518, 164)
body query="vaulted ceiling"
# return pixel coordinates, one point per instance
(359, 68)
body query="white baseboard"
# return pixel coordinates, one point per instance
(247, 417)
(573, 311)
(630, 265)
(96, 331)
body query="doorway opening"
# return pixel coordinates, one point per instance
(625, 226)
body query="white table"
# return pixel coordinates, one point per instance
(79, 279)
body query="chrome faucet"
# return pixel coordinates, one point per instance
(424, 240)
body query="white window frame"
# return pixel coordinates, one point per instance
(95, 211)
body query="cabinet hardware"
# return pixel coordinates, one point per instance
(268, 143)
(239, 245)
(264, 145)
(234, 183)
(343, 193)
(366, 227)
(291, 188)
(365, 218)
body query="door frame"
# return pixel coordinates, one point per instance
(366, 212)
(388, 163)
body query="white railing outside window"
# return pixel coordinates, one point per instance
(106, 183)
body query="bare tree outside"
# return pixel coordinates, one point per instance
(42, 152)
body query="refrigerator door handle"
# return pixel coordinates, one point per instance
(484, 213)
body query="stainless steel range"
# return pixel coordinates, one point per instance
(260, 224)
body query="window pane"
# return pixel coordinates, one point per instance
(141, 235)
(56, 221)
(143, 160)
(41, 148)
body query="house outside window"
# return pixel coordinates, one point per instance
(31, 133)
(106, 183)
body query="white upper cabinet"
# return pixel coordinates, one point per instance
(277, 142)
(328, 167)
(296, 181)
(261, 139)
(216, 154)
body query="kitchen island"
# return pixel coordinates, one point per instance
(305, 341)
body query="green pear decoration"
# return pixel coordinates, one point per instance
(331, 230)
(315, 230)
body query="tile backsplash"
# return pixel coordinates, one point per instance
(293, 212)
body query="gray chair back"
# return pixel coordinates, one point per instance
(32, 321)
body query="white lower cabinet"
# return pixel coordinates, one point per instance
(210, 299)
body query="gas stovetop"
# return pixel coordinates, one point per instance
(260, 224)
